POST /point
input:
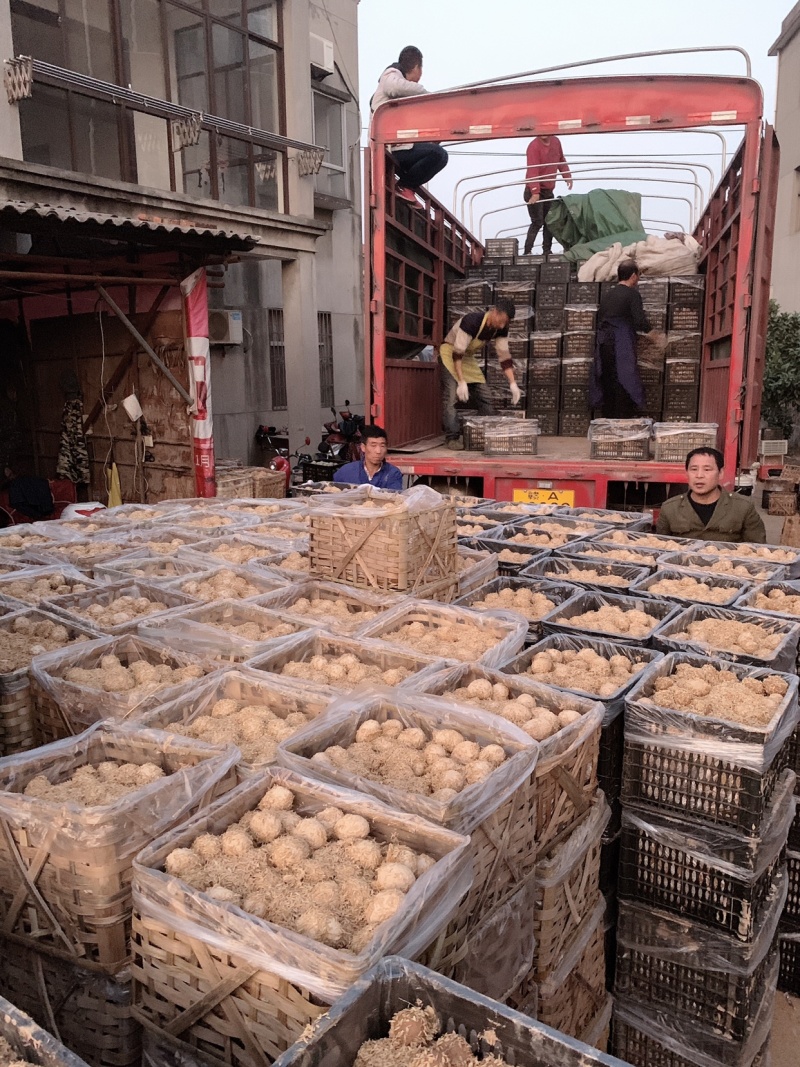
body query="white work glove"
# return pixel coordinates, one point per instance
(515, 393)
(462, 392)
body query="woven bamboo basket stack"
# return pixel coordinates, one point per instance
(381, 541)
(65, 874)
(707, 809)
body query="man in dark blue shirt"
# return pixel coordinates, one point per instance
(372, 468)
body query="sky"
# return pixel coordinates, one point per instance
(469, 40)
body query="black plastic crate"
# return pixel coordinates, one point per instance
(577, 345)
(550, 295)
(609, 860)
(791, 912)
(558, 273)
(488, 270)
(653, 382)
(479, 293)
(607, 287)
(789, 973)
(583, 292)
(575, 398)
(670, 415)
(574, 424)
(684, 345)
(320, 471)
(457, 292)
(548, 422)
(685, 319)
(545, 372)
(681, 400)
(363, 1013)
(580, 318)
(682, 372)
(518, 347)
(686, 292)
(545, 346)
(500, 246)
(542, 398)
(577, 371)
(548, 319)
(654, 290)
(640, 1049)
(521, 293)
(521, 272)
(506, 568)
(666, 863)
(609, 767)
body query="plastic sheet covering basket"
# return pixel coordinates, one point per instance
(620, 438)
(238, 990)
(673, 440)
(704, 767)
(65, 869)
(89, 1011)
(404, 542)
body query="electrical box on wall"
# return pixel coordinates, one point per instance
(225, 327)
(321, 56)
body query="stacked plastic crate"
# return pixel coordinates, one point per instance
(684, 349)
(789, 977)
(707, 806)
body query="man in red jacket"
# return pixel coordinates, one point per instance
(545, 162)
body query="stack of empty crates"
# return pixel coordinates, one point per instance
(552, 337)
(789, 977)
(707, 807)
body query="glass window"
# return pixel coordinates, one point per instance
(268, 176)
(193, 167)
(233, 171)
(44, 125)
(277, 359)
(142, 47)
(36, 30)
(325, 330)
(186, 49)
(263, 87)
(329, 133)
(262, 18)
(229, 75)
(90, 46)
(151, 138)
(95, 125)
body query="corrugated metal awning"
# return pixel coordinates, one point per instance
(121, 223)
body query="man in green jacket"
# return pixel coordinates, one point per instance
(708, 512)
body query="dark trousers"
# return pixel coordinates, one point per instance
(480, 397)
(538, 215)
(418, 164)
(617, 402)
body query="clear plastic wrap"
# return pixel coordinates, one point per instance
(85, 608)
(620, 520)
(263, 507)
(588, 573)
(781, 658)
(560, 619)
(476, 567)
(611, 553)
(720, 849)
(500, 951)
(349, 609)
(753, 600)
(303, 647)
(249, 688)
(209, 631)
(511, 437)
(81, 705)
(555, 593)
(511, 559)
(471, 525)
(781, 554)
(551, 531)
(217, 583)
(556, 866)
(326, 972)
(648, 722)
(637, 539)
(161, 540)
(151, 568)
(751, 570)
(620, 429)
(135, 514)
(17, 680)
(34, 586)
(507, 628)
(26, 537)
(86, 554)
(463, 812)
(685, 943)
(30, 1042)
(238, 550)
(698, 588)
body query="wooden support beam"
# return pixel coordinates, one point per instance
(109, 279)
(124, 363)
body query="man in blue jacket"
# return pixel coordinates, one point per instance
(372, 468)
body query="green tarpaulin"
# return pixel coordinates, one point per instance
(585, 223)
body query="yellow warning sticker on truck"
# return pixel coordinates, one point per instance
(545, 496)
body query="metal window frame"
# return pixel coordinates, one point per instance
(277, 359)
(334, 168)
(327, 391)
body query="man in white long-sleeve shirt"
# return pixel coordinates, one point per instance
(416, 163)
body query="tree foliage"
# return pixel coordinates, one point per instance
(780, 403)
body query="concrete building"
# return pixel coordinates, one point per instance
(171, 134)
(786, 253)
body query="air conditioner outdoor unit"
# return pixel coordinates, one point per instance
(225, 327)
(321, 56)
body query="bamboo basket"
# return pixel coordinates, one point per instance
(237, 991)
(268, 483)
(573, 996)
(65, 872)
(90, 1012)
(378, 540)
(17, 696)
(234, 483)
(567, 888)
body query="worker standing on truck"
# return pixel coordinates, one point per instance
(706, 511)
(545, 162)
(415, 163)
(616, 385)
(462, 378)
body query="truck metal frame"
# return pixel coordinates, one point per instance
(409, 251)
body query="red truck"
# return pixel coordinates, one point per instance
(411, 254)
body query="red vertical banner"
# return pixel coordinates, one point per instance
(194, 291)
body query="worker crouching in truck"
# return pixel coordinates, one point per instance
(462, 377)
(707, 511)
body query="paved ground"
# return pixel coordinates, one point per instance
(786, 1031)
